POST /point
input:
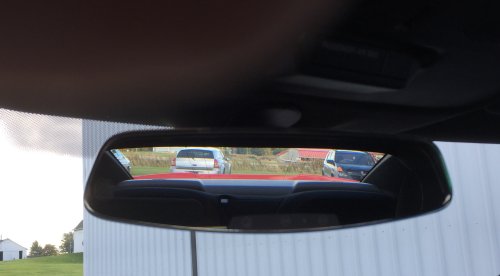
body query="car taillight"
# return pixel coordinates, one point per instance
(216, 164)
(339, 169)
(172, 163)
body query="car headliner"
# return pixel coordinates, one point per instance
(234, 64)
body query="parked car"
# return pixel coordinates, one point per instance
(201, 160)
(123, 159)
(348, 164)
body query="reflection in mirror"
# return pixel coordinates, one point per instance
(167, 162)
(264, 189)
(260, 188)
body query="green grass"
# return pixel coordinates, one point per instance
(67, 264)
(148, 170)
(148, 153)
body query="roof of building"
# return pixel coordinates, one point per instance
(313, 153)
(13, 243)
(79, 226)
(309, 153)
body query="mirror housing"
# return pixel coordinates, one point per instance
(331, 162)
(410, 180)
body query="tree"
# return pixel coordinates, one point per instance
(49, 250)
(241, 151)
(67, 243)
(35, 250)
(226, 150)
(257, 151)
(277, 150)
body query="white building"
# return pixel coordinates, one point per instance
(10, 250)
(78, 238)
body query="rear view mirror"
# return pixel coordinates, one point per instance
(267, 181)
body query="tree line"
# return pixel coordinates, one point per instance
(67, 246)
(254, 151)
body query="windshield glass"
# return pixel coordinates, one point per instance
(248, 163)
(195, 153)
(354, 158)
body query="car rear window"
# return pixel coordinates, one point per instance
(195, 154)
(354, 158)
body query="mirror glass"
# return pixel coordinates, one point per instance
(255, 188)
(264, 189)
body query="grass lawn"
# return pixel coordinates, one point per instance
(148, 153)
(67, 264)
(148, 170)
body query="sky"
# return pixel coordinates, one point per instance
(41, 183)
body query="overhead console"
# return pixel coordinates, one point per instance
(380, 65)
(359, 66)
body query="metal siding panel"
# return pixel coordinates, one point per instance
(331, 254)
(367, 248)
(112, 248)
(387, 254)
(121, 249)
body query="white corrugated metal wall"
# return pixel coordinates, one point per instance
(463, 239)
(112, 248)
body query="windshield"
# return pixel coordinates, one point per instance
(195, 153)
(354, 158)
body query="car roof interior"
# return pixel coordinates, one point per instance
(424, 68)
